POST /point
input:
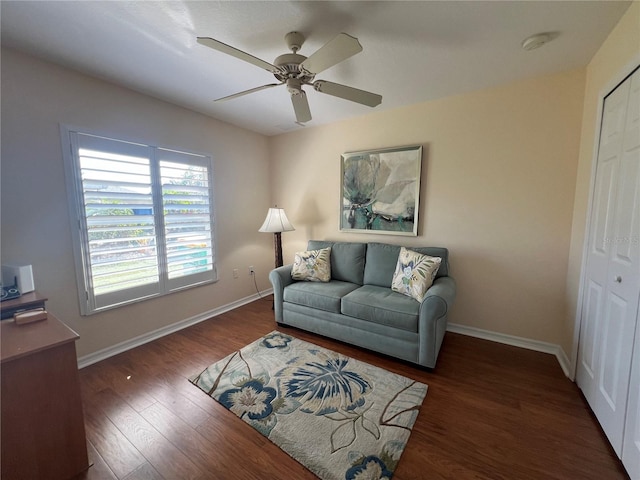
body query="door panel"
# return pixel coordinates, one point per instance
(590, 327)
(627, 221)
(603, 203)
(615, 361)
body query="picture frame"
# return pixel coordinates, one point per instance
(380, 191)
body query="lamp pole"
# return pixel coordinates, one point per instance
(277, 238)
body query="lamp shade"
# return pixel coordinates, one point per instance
(276, 221)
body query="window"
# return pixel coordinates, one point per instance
(144, 214)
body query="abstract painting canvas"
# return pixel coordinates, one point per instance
(380, 191)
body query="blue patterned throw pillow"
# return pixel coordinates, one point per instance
(414, 273)
(312, 265)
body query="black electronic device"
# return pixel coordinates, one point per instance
(10, 292)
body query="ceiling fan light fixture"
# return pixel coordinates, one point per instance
(294, 85)
(536, 41)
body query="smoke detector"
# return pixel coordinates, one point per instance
(536, 41)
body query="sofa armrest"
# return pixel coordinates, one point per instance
(433, 318)
(443, 291)
(280, 277)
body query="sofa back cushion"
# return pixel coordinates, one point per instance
(347, 259)
(382, 259)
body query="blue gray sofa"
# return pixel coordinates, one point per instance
(357, 305)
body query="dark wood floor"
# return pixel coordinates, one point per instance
(491, 412)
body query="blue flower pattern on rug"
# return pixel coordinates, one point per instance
(342, 419)
(276, 340)
(252, 399)
(325, 386)
(371, 468)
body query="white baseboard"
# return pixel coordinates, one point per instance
(105, 353)
(521, 342)
(514, 341)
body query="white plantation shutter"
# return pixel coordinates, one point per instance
(145, 220)
(186, 185)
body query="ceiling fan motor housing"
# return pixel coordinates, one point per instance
(289, 66)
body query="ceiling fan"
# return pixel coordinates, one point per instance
(295, 70)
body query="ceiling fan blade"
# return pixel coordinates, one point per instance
(246, 92)
(301, 106)
(348, 93)
(340, 48)
(234, 52)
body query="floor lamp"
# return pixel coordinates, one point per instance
(276, 223)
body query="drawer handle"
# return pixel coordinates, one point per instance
(618, 279)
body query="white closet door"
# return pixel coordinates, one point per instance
(612, 280)
(627, 266)
(598, 249)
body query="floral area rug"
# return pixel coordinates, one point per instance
(339, 417)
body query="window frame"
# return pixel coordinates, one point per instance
(80, 235)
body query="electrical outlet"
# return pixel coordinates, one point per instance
(236, 273)
(251, 270)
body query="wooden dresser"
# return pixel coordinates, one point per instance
(43, 434)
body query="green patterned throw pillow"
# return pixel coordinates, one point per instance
(414, 273)
(312, 265)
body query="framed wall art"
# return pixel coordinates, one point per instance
(380, 191)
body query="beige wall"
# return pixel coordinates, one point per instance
(36, 97)
(619, 54)
(497, 189)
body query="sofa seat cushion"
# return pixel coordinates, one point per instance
(322, 296)
(382, 305)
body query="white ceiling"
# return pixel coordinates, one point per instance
(413, 51)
